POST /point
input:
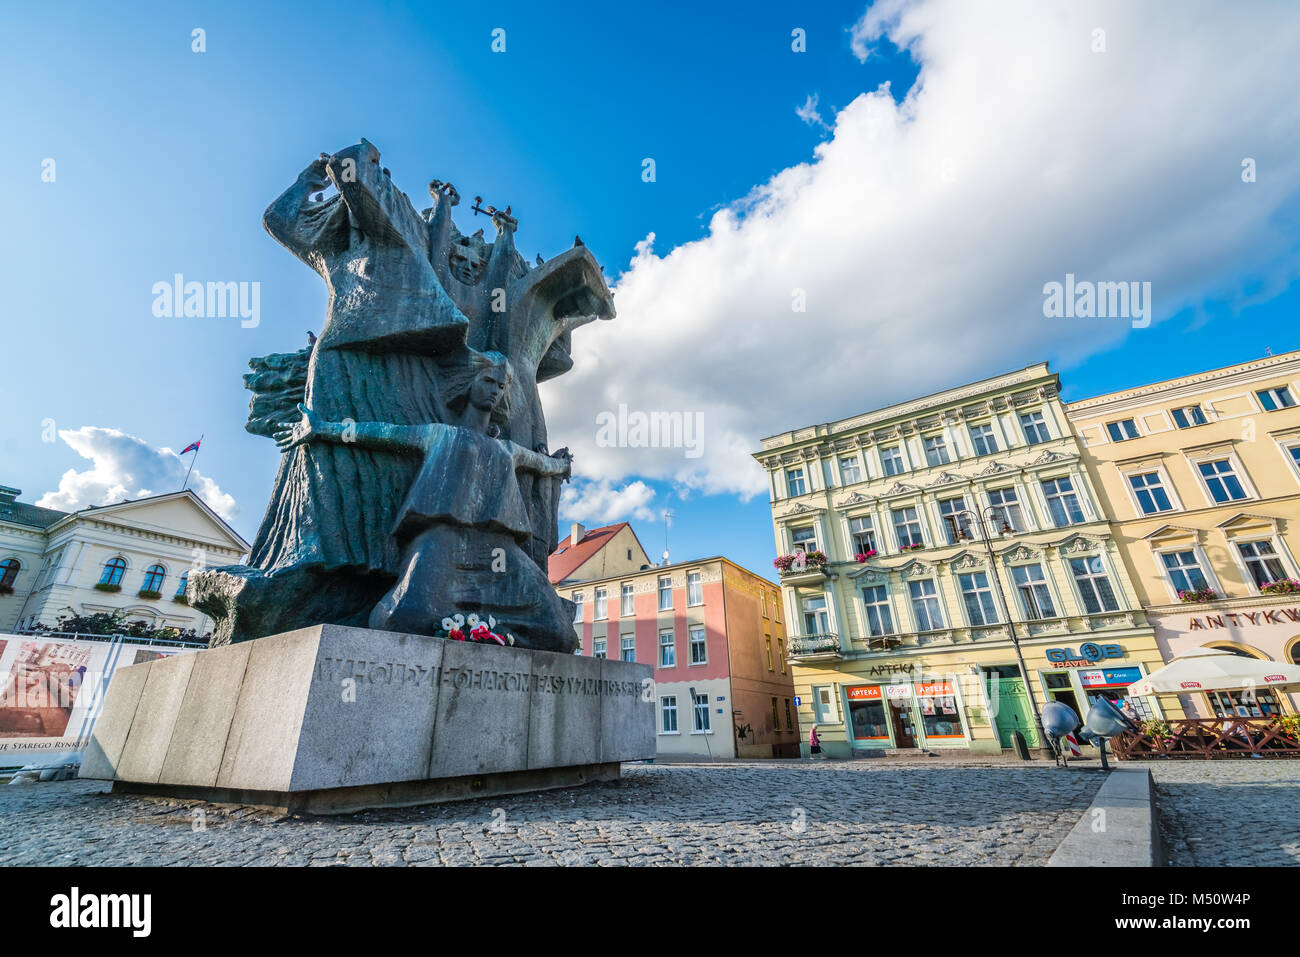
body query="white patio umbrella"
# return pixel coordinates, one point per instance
(1213, 669)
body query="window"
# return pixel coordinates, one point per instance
(1094, 585)
(627, 647)
(699, 647)
(665, 594)
(1276, 398)
(1034, 427)
(768, 642)
(828, 475)
(598, 648)
(1221, 480)
(776, 714)
(776, 607)
(1294, 452)
(952, 521)
(180, 589)
(1187, 417)
(626, 601)
(601, 605)
(1035, 597)
(850, 471)
(978, 597)
(983, 440)
(891, 460)
(668, 710)
(9, 569)
(667, 650)
(577, 607)
(804, 539)
(789, 718)
(701, 713)
(1150, 492)
(1262, 561)
(816, 619)
(762, 601)
(1184, 571)
(1062, 503)
(862, 535)
(936, 450)
(113, 570)
(907, 526)
(1122, 430)
(153, 578)
(780, 644)
(794, 482)
(1008, 502)
(925, 605)
(879, 621)
(694, 589)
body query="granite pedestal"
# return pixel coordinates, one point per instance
(332, 719)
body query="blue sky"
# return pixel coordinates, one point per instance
(165, 159)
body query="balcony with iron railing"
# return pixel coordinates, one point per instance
(822, 645)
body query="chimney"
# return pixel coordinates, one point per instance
(7, 494)
(576, 534)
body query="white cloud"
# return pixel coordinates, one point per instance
(602, 504)
(126, 467)
(810, 114)
(923, 232)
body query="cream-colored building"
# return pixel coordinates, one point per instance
(901, 639)
(1202, 476)
(134, 556)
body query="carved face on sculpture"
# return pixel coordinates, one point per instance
(467, 262)
(489, 388)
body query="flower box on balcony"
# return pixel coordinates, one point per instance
(1283, 586)
(147, 593)
(181, 599)
(799, 561)
(911, 548)
(1204, 594)
(863, 556)
(105, 586)
(6, 589)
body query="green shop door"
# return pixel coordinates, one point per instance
(1008, 699)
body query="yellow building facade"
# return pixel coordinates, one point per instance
(896, 598)
(1201, 476)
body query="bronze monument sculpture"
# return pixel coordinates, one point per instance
(409, 492)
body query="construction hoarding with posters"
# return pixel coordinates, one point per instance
(52, 688)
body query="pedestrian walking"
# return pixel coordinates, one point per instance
(814, 743)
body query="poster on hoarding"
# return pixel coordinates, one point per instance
(51, 690)
(39, 694)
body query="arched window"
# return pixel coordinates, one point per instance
(9, 571)
(180, 589)
(153, 578)
(113, 571)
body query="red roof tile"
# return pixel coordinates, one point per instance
(568, 558)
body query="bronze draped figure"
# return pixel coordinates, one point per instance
(414, 305)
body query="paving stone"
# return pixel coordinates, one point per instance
(858, 813)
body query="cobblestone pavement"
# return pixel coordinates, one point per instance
(1219, 813)
(789, 813)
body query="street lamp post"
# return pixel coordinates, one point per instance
(993, 515)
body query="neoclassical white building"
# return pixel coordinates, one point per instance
(135, 555)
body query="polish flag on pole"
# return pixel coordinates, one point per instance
(192, 447)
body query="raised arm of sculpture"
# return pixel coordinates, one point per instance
(298, 223)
